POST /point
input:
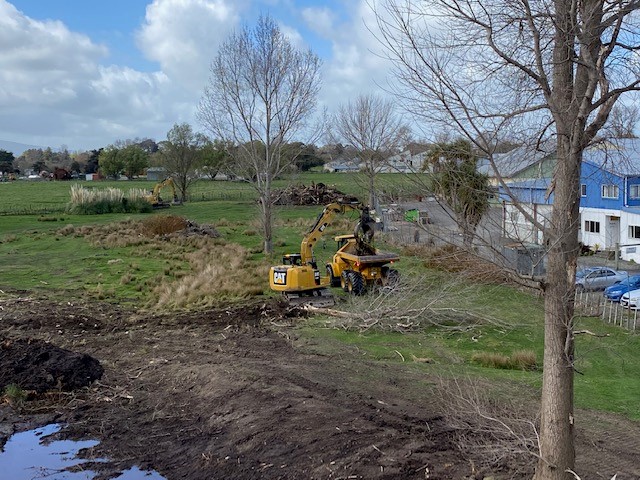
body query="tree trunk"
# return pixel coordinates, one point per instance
(372, 189)
(267, 220)
(557, 421)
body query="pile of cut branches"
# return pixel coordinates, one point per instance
(456, 260)
(314, 194)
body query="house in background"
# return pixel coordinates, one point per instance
(526, 224)
(156, 174)
(521, 163)
(609, 199)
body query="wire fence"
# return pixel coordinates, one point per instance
(594, 304)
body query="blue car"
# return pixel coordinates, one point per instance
(614, 292)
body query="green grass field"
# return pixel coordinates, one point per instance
(44, 249)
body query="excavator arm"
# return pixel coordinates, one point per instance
(324, 219)
(299, 278)
(155, 198)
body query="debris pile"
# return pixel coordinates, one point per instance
(314, 194)
(206, 230)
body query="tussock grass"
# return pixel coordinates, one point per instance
(94, 201)
(163, 225)
(518, 360)
(199, 270)
(218, 273)
(15, 395)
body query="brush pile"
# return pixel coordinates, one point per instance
(314, 194)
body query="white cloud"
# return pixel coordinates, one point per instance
(56, 87)
(319, 19)
(55, 90)
(183, 36)
(355, 66)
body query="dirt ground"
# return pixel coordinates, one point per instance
(234, 394)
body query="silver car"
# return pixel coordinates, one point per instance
(630, 299)
(598, 278)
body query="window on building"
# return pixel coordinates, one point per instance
(609, 191)
(591, 226)
(583, 190)
(634, 191)
(634, 231)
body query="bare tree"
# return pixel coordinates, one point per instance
(371, 125)
(181, 155)
(538, 68)
(261, 92)
(623, 121)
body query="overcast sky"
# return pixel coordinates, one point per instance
(83, 74)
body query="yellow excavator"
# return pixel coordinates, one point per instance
(156, 200)
(357, 263)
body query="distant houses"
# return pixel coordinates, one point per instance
(609, 198)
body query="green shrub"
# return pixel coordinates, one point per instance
(15, 395)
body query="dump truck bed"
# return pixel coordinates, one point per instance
(378, 258)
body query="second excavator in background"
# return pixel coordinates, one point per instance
(156, 200)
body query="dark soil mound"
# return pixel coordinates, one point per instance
(40, 366)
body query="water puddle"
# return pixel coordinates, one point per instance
(27, 457)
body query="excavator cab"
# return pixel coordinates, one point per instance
(292, 259)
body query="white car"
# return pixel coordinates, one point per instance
(631, 299)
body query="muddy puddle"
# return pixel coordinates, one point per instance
(30, 455)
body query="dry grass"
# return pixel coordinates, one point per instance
(488, 426)
(216, 272)
(163, 225)
(518, 360)
(93, 201)
(455, 260)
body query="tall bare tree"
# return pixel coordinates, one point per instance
(371, 125)
(261, 92)
(542, 68)
(181, 155)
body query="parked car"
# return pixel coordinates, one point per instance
(630, 299)
(615, 291)
(598, 278)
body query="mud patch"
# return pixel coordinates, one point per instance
(36, 365)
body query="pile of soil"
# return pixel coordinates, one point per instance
(36, 365)
(314, 194)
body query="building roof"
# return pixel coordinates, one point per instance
(620, 156)
(514, 161)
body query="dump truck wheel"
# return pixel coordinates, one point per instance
(355, 283)
(333, 280)
(344, 280)
(390, 277)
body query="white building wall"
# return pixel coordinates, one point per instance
(518, 227)
(629, 246)
(596, 240)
